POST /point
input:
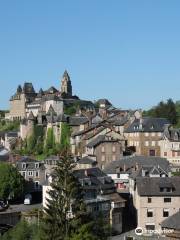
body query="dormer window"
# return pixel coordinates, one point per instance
(36, 165)
(152, 127)
(23, 165)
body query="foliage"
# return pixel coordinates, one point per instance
(85, 232)
(72, 108)
(65, 195)
(50, 142)
(22, 231)
(11, 182)
(9, 125)
(65, 137)
(164, 110)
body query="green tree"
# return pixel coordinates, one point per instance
(65, 136)
(22, 231)
(50, 142)
(65, 195)
(164, 110)
(11, 182)
(84, 232)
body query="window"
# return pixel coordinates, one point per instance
(30, 173)
(102, 149)
(159, 134)
(152, 152)
(149, 213)
(153, 134)
(165, 212)
(36, 165)
(167, 200)
(37, 174)
(103, 158)
(146, 134)
(146, 143)
(114, 157)
(153, 143)
(114, 149)
(150, 227)
(165, 154)
(23, 165)
(173, 154)
(149, 200)
(36, 184)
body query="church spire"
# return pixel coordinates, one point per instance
(66, 87)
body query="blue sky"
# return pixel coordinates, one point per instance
(125, 50)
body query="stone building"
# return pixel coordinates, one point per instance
(155, 197)
(33, 172)
(19, 100)
(170, 147)
(66, 87)
(144, 135)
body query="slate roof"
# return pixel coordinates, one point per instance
(173, 134)
(100, 139)
(76, 121)
(150, 186)
(86, 160)
(148, 125)
(52, 90)
(141, 161)
(30, 164)
(98, 179)
(28, 88)
(103, 101)
(172, 222)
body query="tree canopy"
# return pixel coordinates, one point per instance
(11, 182)
(164, 110)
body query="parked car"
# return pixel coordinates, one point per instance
(28, 199)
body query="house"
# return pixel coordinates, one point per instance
(170, 147)
(33, 172)
(86, 162)
(106, 149)
(121, 170)
(144, 134)
(99, 195)
(155, 197)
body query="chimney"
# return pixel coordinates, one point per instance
(141, 123)
(137, 167)
(86, 172)
(124, 168)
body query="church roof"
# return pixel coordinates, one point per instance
(52, 90)
(66, 75)
(28, 88)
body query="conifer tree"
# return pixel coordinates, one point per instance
(65, 201)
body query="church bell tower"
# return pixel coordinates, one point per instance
(66, 87)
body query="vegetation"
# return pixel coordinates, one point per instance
(11, 182)
(40, 146)
(168, 110)
(9, 125)
(66, 217)
(2, 113)
(23, 231)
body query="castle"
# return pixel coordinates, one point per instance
(27, 100)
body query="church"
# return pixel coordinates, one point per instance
(26, 100)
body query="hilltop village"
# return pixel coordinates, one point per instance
(127, 164)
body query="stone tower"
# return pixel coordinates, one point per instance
(66, 87)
